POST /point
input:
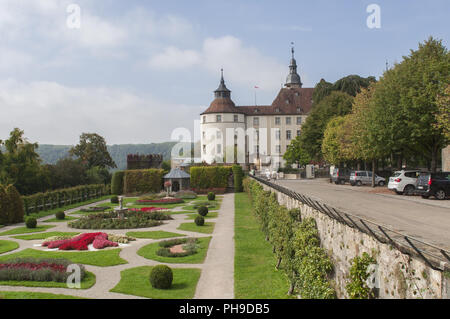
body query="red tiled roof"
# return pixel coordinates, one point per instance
(222, 105)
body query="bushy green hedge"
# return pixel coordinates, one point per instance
(238, 175)
(296, 244)
(61, 197)
(206, 177)
(11, 205)
(143, 181)
(117, 183)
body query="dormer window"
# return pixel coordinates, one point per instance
(296, 94)
(277, 110)
(287, 101)
(256, 111)
(299, 110)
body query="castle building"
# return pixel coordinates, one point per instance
(254, 136)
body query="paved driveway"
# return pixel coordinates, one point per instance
(428, 220)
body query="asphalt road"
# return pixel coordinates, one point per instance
(428, 220)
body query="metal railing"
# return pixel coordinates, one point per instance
(435, 257)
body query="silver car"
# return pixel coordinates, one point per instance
(365, 178)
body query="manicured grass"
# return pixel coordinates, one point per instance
(101, 258)
(88, 282)
(255, 276)
(55, 220)
(33, 295)
(207, 228)
(43, 235)
(135, 281)
(181, 212)
(158, 234)
(191, 207)
(25, 230)
(7, 245)
(210, 215)
(67, 207)
(150, 250)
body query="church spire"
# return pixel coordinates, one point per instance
(222, 90)
(293, 79)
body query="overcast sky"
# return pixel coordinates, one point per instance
(135, 70)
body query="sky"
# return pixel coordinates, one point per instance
(133, 71)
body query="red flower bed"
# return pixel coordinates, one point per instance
(81, 242)
(146, 209)
(160, 201)
(34, 266)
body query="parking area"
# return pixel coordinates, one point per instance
(426, 219)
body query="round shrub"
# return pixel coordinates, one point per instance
(200, 220)
(161, 277)
(211, 196)
(115, 199)
(60, 215)
(31, 222)
(203, 210)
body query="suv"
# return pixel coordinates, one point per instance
(404, 182)
(434, 184)
(365, 177)
(341, 175)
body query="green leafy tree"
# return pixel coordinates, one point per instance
(352, 84)
(93, 151)
(443, 113)
(337, 146)
(296, 154)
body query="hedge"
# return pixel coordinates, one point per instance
(209, 177)
(62, 197)
(11, 205)
(117, 183)
(143, 181)
(238, 175)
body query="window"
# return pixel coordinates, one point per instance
(277, 134)
(299, 120)
(287, 102)
(218, 118)
(204, 119)
(218, 134)
(219, 148)
(204, 149)
(288, 121)
(296, 93)
(278, 148)
(256, 111)
(204, 135)
(256, 121)
(277, 121)
(257, 134)
(256, 149)
(236, 118)
(298, 132)
(299, 109)
(277, 110)
(288, 134)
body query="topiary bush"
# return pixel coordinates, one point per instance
(238, 175)
(117, 183)
(161, 277)
(31, 222)
(211, 196)
(203, 211)
(200, 220)
(60, 215)
(115, 199)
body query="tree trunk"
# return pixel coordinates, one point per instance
(273, 250)
(291, 288)
(278, 263)
(434, 155)
(373, 173)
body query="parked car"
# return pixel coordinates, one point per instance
(434, 184)
(404, 181)
(365, 177)
(341, 175)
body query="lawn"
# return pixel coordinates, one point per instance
(210, 215)
(25, 230)
(181, 212)
(207, 228)
(135, 281)
(55, 220)
(67, 207)
(101, 258)
(7, 245)
(42, 235)
(158, 234)
(33, 295)
(255, 276)
(88, 282)
(149, 252)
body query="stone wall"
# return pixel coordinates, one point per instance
(399, 275)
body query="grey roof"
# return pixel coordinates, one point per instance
(177, 173)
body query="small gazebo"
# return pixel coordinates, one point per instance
(180, 179)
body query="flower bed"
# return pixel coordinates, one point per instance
(94, 209)
(81, 242)
(111, 220)
(31, 269)
(190, 247)
(146, 209)
(160, 201)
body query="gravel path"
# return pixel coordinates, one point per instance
(217, 271)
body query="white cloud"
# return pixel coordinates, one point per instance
(49, 112)
(174, 58)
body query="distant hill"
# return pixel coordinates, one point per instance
(50, 154)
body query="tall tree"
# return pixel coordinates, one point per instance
(93, 151)
(296, 154)
(443, 113)
(337, 146)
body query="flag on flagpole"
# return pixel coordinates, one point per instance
(256, 87)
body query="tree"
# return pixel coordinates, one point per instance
(337, 146)
(352, 84)
(296, 154)
(93, 151)
(443, 113)
(67, 172)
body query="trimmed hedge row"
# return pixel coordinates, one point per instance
(210, 177)
(117, 183)
(11, 205)
(143, 181)
(62, 197)
(238, 175)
